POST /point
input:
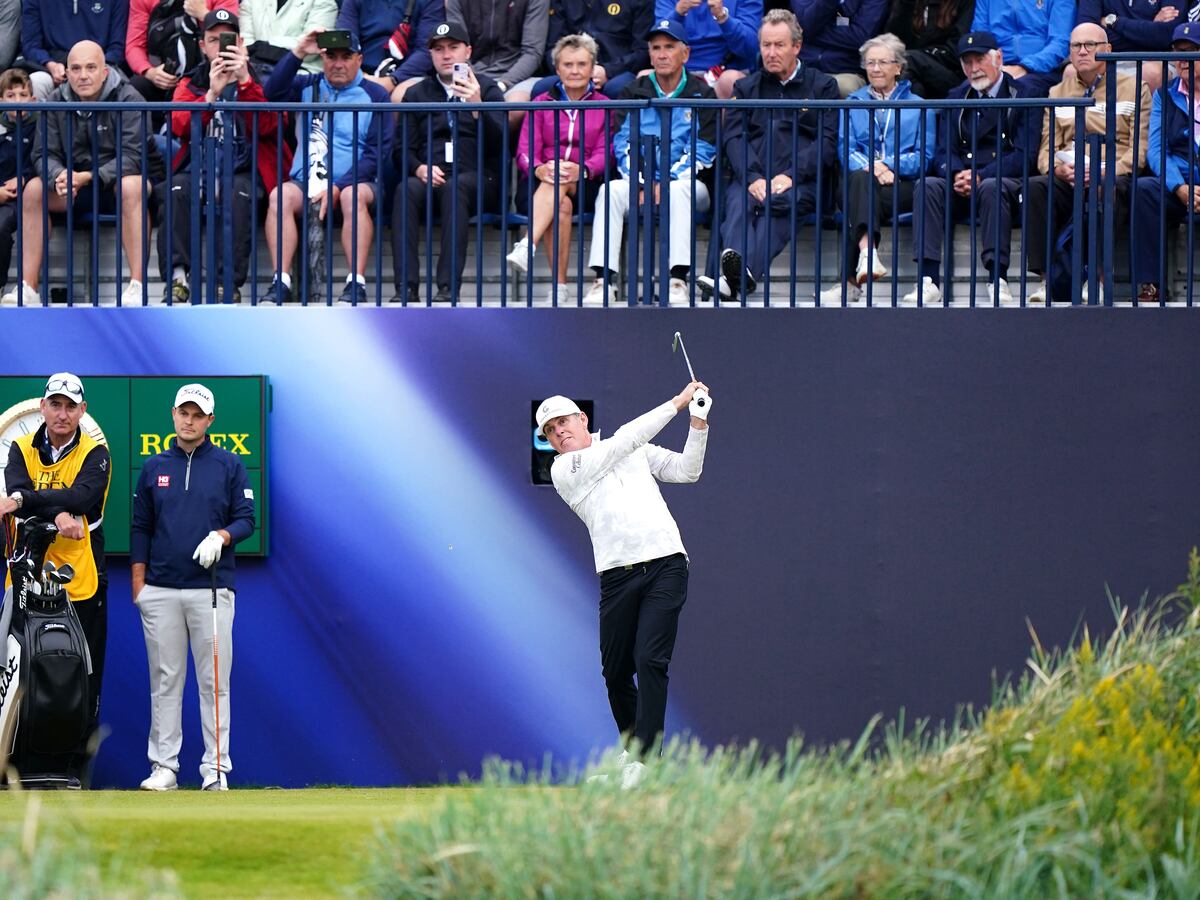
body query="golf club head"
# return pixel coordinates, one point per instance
(66, 573)
(675, 343)
(48, 570)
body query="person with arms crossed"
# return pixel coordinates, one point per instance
(643, 568)
(191, 502)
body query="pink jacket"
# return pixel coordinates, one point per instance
(571, 123)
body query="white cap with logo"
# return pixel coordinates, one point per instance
(198, 394)
(66, 384)
(552, 408)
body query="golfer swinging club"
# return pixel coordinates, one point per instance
(640, 558)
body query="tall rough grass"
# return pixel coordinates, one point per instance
(1081, 779)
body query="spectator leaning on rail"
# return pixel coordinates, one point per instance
(561, 138)
(757, 222)
(224, 75)
(162, 41)
(271, 29)
(882, 177)
(50, 29)
(834, 30)
(441, 160)
(1173, 190)
(17, 142)
(974, 166)
(670, 78)
(722, 37)
(91, 156)
(617, 29)
(931, 30)
(1136, 25)
(1058, 144)
(394, 35)
(345, 148)
(1033, 36)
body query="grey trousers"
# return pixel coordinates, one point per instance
(171, 619)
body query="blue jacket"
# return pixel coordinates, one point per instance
(374, 21)
(1031, 34)
(683, 164)
(910, 164)
(1135, 28)
(8, 145)
(371, 143)
(973, 135)
(831, 44)
(734, 44)
(1174, 122)
(50, 28)
(177, 502)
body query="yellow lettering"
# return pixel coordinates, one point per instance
(150, 444)
(218, 440)
(238, 446)
(168, 441)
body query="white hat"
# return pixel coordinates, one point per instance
(552, 408)
(198, 394)
(66, 384)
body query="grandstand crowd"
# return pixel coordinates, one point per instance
(757, 174)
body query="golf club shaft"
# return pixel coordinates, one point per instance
(685, 358)
(216, 675)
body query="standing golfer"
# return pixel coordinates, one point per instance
(191, 502)
(640, 558)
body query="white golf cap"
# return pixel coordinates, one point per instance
(66, 384)
(198, 394)
(552, 408)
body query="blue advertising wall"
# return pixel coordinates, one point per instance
(888, 497)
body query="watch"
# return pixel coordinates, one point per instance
(25, 418)
(18, 498)
(1109, 21)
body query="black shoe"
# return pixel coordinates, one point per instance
(410, 296)
(237, 294)
(355, 293)
(735, 272)
(277, 294)
(443, 295)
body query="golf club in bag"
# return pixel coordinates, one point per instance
(44, 686)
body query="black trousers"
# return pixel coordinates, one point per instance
(860, 218)
(639, 618)
(1048, 190)
(995, 199)
(454, 203)
(178, 232)
(8, 231)
(760, 237)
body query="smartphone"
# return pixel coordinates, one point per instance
(228, 39)
(460, 72)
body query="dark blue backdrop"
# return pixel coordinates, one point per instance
(888, 496)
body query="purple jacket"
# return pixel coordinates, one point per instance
(574, 127)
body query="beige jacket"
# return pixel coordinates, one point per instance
(1062, 132)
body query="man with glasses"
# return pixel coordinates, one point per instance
(1053, 190)
(1032, 35)
(61, 473)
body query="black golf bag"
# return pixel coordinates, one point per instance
(44, 684)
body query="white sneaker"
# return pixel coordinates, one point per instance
(28, 297)
(1000, 293)
(718, 290)
(677, 294)
(595, 295)
(215, 784)
(161, 779)
(1083, 294)
(603, 776)
(870, 265)
(632, 775)
(132, 295)
(1037, 294)
(559, 294)
(833, 296)
(518, 256)
(930, 294)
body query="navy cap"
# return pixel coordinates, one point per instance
(1188, 31)
(670, 28)
(220, 17)
(450, 31)
(977, 42)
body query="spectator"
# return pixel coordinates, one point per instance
(758, 207)
(930, 30)
(343, 148)
(16, 158)
(52, 28)
(1056, 191)
(10, 32)
(973, 166)
(557, 158)
(1136, 25)
(722, 37)
(396, 51)
(163, 41)
(225, 75)
(510, 38)
(670, 78)
(441, 163)
(92, 156)
(1032, 35)
(882, 178)
(271, 29)
(1173, 190)
(617, 29)
(834, 30)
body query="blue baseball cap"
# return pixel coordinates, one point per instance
(977, 42)
(670, 28)
(1188, 31)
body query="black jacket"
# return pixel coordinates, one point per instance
(1020, 135)
(416, 145)
(8, 146)
(621, 35)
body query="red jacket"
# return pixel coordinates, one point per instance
(139, 22)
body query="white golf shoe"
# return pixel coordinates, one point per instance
(161, 779)
(632, 775)
(215, 784)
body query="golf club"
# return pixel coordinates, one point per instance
(216, 675)
(66, 573)
(48, 570)
(700, 397)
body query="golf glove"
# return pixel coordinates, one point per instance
(209, 550)
(700, 405)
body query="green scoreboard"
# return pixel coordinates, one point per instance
(132, 415)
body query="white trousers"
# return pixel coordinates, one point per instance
(614, 200)
(171, 619)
